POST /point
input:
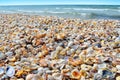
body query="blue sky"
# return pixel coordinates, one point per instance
(43, 2)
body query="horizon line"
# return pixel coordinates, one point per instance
(53, 4)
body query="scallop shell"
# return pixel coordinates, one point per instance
(75, 74)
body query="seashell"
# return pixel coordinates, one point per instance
(98, 45)
(63, 71)
(117, 39)
(57, 76)
(97, 76)
(2, 56)
(75, 62)
(37, 77)
(19, 73)
(54, 54)
(118, 68)
(50, 77)
(118, 78)
(40, 70)
(70, 43)
(63, 52)
(75, 74)
(43, 63)
(20, 79)
(86, 67)
(70, 52)
(12, 59)
(83, 73)
(4, 77)
(40, 55)
(108, 74)
(59, 48)
(9, 53)
(29, 76)
(34, 66)
(1, 48)
(38, 36)
(1, 71)
(10, 71)
(102, 66)
(60, 36)
(89, 61)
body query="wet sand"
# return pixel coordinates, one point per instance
(53, 48)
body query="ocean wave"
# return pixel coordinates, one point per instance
(91, 9)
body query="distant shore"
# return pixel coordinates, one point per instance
(36, 47)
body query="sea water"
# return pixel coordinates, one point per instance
(67, 11)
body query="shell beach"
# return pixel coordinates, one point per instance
(53, 48)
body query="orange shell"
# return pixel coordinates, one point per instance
(43, 63)
(19, 73)
(38, 36)
(75, 62)
(75, 74)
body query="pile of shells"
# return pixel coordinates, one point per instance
(52, 48)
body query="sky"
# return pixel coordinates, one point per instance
(55, 2)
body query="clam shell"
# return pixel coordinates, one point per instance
(10, 71)
(75, 74)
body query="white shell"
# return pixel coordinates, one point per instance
(10, 71)
(57, 76)
(1, 71)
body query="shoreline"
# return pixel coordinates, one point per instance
(55, 48)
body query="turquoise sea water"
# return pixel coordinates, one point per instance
(67, 11)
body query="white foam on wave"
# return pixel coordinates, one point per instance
(92, 9)
(4, 11)
(55, 12)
